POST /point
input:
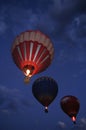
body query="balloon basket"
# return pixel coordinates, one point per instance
(26, 80)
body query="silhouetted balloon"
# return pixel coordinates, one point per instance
(32, 52)
(45, 90)
(70, 105)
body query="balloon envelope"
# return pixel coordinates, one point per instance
(70, 105)
(45, 90)
(32, 52)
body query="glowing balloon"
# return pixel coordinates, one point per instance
(32, 52)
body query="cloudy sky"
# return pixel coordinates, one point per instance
(64, 21)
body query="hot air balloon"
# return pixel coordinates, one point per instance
(32, 52)
(70, 105)
(45, 90)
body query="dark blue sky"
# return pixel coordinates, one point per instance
(64, 21)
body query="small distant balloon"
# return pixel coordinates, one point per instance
(70, 105)
(45, 90)
(32, 52)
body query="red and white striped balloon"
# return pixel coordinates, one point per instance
(32, 51)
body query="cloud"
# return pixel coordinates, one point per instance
(66, 9)
(62, 7)
(62, 13)
(81, 125)
(63, 20)
(3, 24)
(73, 46)
(3, 27)
(61, 124)
(49, 20)
(76, 31)
(69, 31)
(5, 111)
(83, 121)
(12, 100)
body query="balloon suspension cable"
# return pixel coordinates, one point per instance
(46, 109)
(74, 119)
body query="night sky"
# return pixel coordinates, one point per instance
(64, 21)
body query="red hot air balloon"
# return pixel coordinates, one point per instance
(45, 90)
(70, 105)
(32, 52)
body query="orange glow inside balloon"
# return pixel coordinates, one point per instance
(28, 70)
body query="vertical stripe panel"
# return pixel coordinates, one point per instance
(31, 49)
(44, 59)
(41, 56)
(19, 51)
(38, 48)
(25, 56)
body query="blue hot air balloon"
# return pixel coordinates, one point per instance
(45, 90)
